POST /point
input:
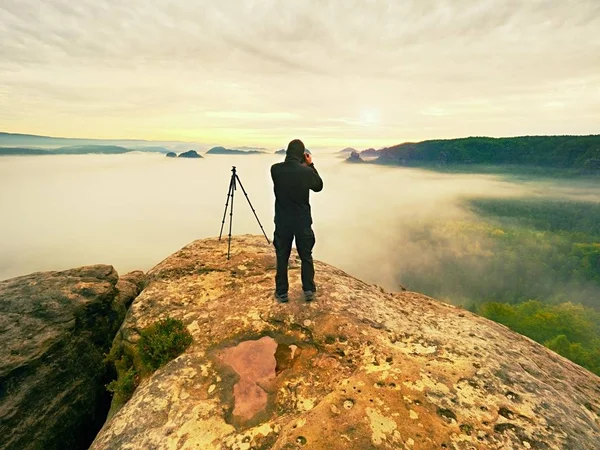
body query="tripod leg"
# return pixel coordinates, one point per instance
(230, 217)
(226, 204)
(251, 207)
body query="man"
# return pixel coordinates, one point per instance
(292, 180)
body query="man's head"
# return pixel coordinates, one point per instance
(296, 149)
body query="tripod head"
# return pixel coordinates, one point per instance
(234, 177)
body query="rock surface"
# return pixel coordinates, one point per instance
(129, 286)
(54, 329)
(358, 368)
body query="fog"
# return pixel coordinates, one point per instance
(134, 210)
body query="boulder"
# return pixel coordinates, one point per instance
(55, 328)
(171, 155)
(358, 368)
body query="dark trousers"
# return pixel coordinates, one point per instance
(305, 241)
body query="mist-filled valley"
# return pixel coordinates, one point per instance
(522, 251)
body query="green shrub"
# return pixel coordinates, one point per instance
(124, 386)
(162, 342)
(159, 343)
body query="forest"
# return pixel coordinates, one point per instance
(564, 152)
(531, 264)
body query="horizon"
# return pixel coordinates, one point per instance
(249, 146)
(338, 75)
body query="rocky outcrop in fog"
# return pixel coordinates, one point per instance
(354, 157)
(190, 154)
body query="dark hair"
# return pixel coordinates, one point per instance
(295, 148)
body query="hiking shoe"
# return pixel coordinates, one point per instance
(309, 296)
(281, 298)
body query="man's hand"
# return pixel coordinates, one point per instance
(308, 159)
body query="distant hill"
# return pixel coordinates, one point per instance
(15, 140)
(11, 151)
(150, 149)
(246, 148)
(27, 140)
(582, 152)
(71, 150)
(347, 150)
(87, 149)
(283, 151)
(229, 151)
(190, 154)
(369, 152)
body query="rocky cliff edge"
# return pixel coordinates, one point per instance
(359, 368)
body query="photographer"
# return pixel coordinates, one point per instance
(292, 180)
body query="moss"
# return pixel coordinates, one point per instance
(159, 343)
(121, 358)
(204, 270)
(120, 311)
(162, 342)
(466, 428)
(124, 386)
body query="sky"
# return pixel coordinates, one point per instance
(334, 73)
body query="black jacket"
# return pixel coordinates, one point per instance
(292, 181)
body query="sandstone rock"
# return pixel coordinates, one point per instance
(54, 329)
(356, 369)
(129, 287)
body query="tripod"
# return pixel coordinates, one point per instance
(235, 180)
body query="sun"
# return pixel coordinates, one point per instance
(369, 117)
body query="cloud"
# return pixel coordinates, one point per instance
(250, 115)
(431, 69)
